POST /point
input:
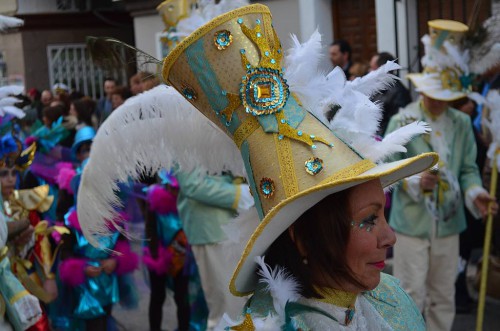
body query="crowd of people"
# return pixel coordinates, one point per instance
(317, 159)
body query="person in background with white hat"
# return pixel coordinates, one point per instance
(428, 209)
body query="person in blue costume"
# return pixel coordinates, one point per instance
(96, 276)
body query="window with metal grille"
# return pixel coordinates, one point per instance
(72, 65)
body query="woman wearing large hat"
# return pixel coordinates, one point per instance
(317, 186)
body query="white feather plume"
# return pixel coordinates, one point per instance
(9, 22)
(282, 286)
(459, 58)
(357, 119)
(10, 90)
(394, 142)
(433, 57)
(156, 129)
(12, 110)
(7, 102)
(486, 55)
(376, 80)
(300, 72)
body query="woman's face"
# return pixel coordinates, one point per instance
(370, 236)
(72, 110)
(8, 178)
(116, 101)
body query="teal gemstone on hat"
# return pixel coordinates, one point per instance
(267, 187)
(312, 136)
(266, 53)
(259, 34)
(223, 39)
(313, 147)
(280, 137)
(224, 93)
(314, 166)
(331, 145)
(189, 93)
(273, 61)
(283, 121)
(299, 133)
(257, 21)
(242, 51)
(239, 20)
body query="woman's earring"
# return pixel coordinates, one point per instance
(304, 260)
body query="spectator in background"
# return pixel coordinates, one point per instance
(340, 55)
(118, 97)
(357, 69)
(51, 114)
(45, 100)
(149, 80)
(104, 106)
(393, 98)
(83, 110)
(135, 83)
(62, 99)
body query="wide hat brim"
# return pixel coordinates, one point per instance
(430, 85)
(244, 279)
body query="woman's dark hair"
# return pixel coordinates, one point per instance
(85, 109)
(122, 91)
(323, 231)
(53, 113)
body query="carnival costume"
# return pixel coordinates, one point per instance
(167, 253)
(230, 69)
(428, 223)
(22, 308)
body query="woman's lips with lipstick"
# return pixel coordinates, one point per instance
(379, 265)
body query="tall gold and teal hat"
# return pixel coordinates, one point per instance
(446, 74)
(231, 70)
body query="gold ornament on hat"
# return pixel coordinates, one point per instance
(223, 39)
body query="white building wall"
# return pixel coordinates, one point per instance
(145, 30)
(396, 31)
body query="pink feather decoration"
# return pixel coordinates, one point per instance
(161, 264)
(64, 179)
(30, 140)
(127, 260)
(160, 200)
(73, 221)
(72, 271)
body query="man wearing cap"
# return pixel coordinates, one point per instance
(427, 212)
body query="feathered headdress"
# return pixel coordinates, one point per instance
(7, 22)
(257, 117)
(484, 45)
(8, 101)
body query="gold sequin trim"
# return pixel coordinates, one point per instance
(287, 169)
(350, 171)
(193, 37)
(244, 131)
